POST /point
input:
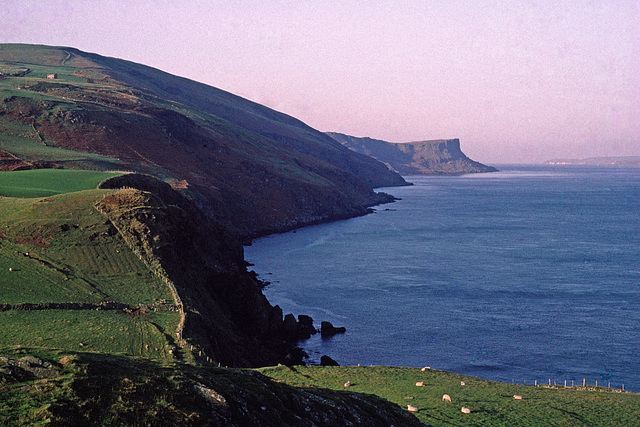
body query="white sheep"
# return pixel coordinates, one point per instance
(465, 410)
(517, 397)
(419, 384)
(425, 368)
(446, 398)
(412, 408)
(347, 384)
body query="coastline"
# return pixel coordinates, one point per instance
(386, 222)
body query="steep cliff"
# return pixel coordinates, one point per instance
(436, 157)
(224, 314)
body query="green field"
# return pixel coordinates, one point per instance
(491, 403)
(60, 249)
(48, 182)
(113, 331)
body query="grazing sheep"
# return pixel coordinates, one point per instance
(347, 384)
(425, 368)
(463, 383)
(419, 384)
(516, 397)
(10, 269)
(466, 410)
(412, 408)
(446, 398)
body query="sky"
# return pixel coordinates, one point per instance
(517, 81)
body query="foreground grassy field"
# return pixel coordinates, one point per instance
(491, 403)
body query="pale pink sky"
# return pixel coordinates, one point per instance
(515, 80)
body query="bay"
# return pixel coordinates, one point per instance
(531, 273)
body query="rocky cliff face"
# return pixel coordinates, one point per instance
(436, 157)
(224, 313)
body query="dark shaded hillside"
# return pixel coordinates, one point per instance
(90, 390)
(253, 169)
(437, 157)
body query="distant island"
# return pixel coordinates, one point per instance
(433, 157)
(618, 161)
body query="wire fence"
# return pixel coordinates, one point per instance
(574, 384)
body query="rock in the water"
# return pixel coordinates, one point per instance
(327, 361)
(328, 330)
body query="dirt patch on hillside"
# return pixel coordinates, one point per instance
(9, 163)
(35, 241)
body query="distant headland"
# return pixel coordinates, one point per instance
(433, 157)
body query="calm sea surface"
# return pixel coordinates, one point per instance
(531, 273)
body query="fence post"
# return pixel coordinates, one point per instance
(584, 382)
(536, 383)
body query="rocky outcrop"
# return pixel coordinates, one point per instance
(437, 157)
(26, 368)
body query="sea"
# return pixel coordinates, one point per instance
(530, 274)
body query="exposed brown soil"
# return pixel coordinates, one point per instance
(9, 163)
(35, 241)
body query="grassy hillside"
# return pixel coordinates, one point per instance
(491, 403)
(251, 168)
(83, 389)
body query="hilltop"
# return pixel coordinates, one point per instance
(253, 169)
(435, 157)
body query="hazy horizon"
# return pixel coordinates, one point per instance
(516, 82)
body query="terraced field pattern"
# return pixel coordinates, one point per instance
(58, 252)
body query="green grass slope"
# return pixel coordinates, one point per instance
(61, 250)
(48, 182)
(491, 403)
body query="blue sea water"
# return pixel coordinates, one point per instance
(530, 273)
